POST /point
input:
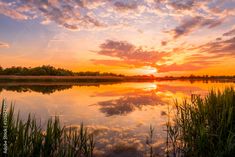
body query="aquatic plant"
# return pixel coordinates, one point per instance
(204, 127)
(150, 142)
(28, 138)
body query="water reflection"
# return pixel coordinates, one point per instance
(120, 114)
(135, 99)
(44, 89)
(127, 104)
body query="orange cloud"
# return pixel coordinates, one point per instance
(129, 52)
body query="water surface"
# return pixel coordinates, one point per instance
(119, 113)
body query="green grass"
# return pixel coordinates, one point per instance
(27, 138)
(204, 127)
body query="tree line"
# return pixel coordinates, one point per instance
(47, 70)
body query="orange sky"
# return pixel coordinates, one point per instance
(170, 37)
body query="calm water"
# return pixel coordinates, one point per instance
(120, 113)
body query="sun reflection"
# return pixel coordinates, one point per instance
(149, 87)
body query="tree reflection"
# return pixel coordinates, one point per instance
(44, 89)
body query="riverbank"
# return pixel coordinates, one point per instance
(103, 79)
(16, 78)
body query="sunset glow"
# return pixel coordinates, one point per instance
(137, 37)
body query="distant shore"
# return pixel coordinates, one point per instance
(17, 78)
(99, 79)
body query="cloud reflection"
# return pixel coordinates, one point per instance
(128, 104)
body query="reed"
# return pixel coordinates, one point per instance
(150, 141)
(204, 127)
(27, 138)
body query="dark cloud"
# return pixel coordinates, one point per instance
(230, 33)
(176, 6)
(182, 5)
(191, 24)
(196, 7)
(214, 50)
(125, 5)
(202, 14)
(221, 48)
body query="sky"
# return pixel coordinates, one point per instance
(131, 37)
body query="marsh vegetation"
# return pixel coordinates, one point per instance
(28, 138)
(204, 127)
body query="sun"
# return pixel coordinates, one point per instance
(148, 70)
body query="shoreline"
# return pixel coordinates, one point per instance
(103, 79)
(76, 79)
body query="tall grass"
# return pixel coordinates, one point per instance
(150, 141)
(204, 127)
(27, 138)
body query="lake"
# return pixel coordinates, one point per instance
(120, 113)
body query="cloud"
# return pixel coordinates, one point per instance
(118, 141)
(130, 56)
(182, 5)
(180, 67)
(193, 23)
(72, 14)
(7, 11)
(125, 5)
(218, 48)
(4, 45)
(77, 14)
(129, 52)
(230, 33)
(69, 14)
(66, 15)
(121, 63)
(208, 54)
(128, 104)
(194, 14)
(203, 56)
(164, 43)
(194, 7)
